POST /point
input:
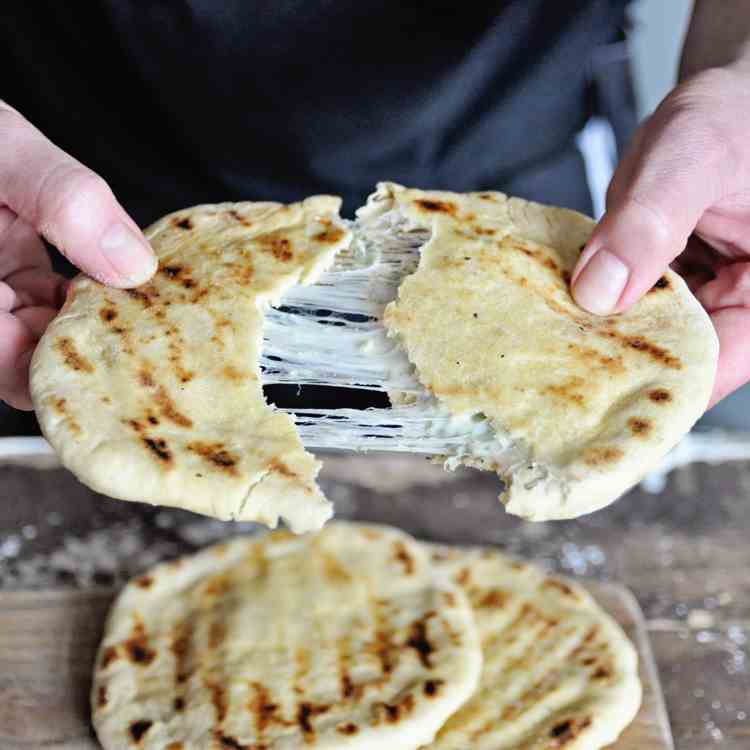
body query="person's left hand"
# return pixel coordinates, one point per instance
(681, 196)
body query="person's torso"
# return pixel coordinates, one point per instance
(177, 103)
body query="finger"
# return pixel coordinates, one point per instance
(9, 300)
(20, 246)
(36, 319)
(38, 287)
(727, 299)
(70, 205)
(673, 176)
(17, 344)
(732, 325)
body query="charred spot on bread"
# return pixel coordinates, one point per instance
(138, 728)
(436, 206)
(72, 357)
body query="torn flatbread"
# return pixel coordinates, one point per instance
(154, 394)
(582, 406)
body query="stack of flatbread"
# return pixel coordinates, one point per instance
(154, 394)
(358, 637)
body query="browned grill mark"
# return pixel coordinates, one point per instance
(488, 197)
(101, 696)
(463, 577)
(449, 598)
(144, 582)
(601, 673)
(159, 447)
(182, 649)
(329, 235)
(217, 455)
(537, 254)
(660, 396)
(654, 351)
(107, 314)
(591, 634)
(348, 688)
(561, 729)
(347, 729)
(640, 426)
(279, 247)
(419, 641)
(232, 373)
(60, 406)
(334, 571)
(602, 456)
(432, 687)
(383, 645)
(216, 634)
(437, 206)
(179, 704)
(237, 216)
(72, 357)
(280, 467)
(402, 555)
(561, 586)
(393, 712)
(218, 699)
(231, 743)
(108, 656)
(145, 295)
(566, 731)
(484, 231)
(567, 391)
(169, 410)
(302, 669)
(175, 746)
(263, 709)
(662, 283)
(494, 599)
(145, 378)
(138, 729)
(218, 586)
(185, 223)
(306, 712)
(137, 647)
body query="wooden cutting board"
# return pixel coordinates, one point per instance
(48, 641)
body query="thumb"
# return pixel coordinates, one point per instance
(671, 175)
(69, 205)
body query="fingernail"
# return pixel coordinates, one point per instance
(601, 283)
(133, 260)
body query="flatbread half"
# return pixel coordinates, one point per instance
(341, 639)
(558, 671)
(582, 406)
(154, 394)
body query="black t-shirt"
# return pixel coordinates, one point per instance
(182, 102)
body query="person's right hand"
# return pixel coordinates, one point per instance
(44, 191)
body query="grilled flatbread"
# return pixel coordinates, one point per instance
(558, 672)
(582, 406)
(154, 394)
(341, 639)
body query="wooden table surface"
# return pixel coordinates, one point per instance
(684, 553)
